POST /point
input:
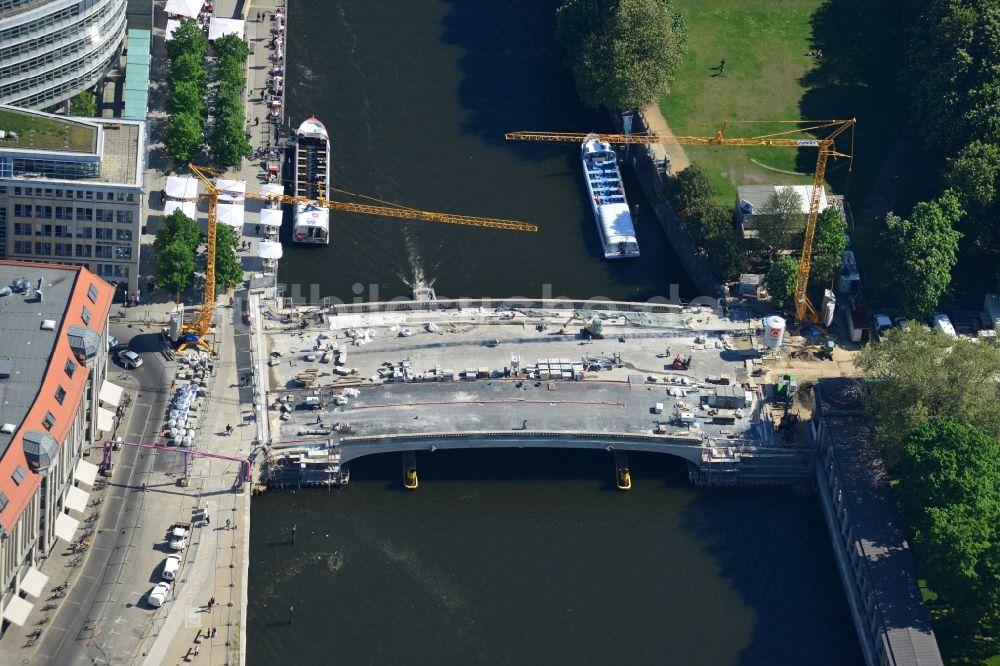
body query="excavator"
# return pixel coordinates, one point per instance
(801, 136)
(197, 331)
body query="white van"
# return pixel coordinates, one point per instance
(171, 567)
(943, 324)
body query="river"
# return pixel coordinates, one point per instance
(508, 556)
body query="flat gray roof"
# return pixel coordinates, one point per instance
(905, 625)
(22, 338)
(121, 157)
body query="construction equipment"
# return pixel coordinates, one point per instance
(197, 330)
(786, 389)
(804, 309)
(565, 331)
(681, 362)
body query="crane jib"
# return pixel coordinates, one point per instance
(807, 142)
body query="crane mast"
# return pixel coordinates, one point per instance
(804, 309)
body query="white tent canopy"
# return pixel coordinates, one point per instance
(172, 25)
(220, 27)
(76, 499)
(230, 190)
(230, 214)
(105, 420)
(270, 217)
(66, 526)
(272, 188)
(17, 610)
(86, 472)
(182, 187)
(111, 394)
(186, 207)
(269, 250)
(34, 582)
(189, 8)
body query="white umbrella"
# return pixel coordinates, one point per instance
(270, 217)
(269, 250)
(230, 214)
(186, 207)
(220, 27)
(189, 8)
(182, 187)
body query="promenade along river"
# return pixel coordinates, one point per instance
(520, 556)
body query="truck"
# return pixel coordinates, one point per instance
(177, 535)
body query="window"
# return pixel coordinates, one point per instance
(130, 197)
(83, 250)
(70, 368)
(85, 315)
(43, 212)
(60, 394)
(17, 191)
(103, 251)
(62, 231)
(92, 294)
(103, 233)
(120, 196)
(104, 215)
(43, 248)
(85, 214)
(3, 501)
(22, 228)
(100, 196)
(64, 213)
(124, 216)
(64, 249)
(85, 232)
(123, 235)
(89, 194)
(22, 247)
(18, 475)
(43, 229)
(48, 421)
(22, 210)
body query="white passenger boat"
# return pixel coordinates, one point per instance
(312, 180)
(607, 199)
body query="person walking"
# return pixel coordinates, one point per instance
(257, 229)
(229, 429)
(722, 67)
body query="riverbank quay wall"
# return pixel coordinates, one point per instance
(873, 557)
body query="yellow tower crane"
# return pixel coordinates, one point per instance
(198, 328)
(804, 309)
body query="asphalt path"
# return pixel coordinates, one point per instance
(99, 620)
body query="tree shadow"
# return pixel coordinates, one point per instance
(861, 76)
(748, 544)
(514, 77)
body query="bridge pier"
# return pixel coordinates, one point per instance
(623, 477)
(410, 480)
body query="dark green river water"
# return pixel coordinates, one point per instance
(508, 556)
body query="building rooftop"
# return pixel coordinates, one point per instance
(46, 132)
(121, 156)
(23, 339)
(752, 197)
(905, 625)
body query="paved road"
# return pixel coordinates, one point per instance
(100, 621)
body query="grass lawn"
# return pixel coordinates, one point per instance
(764, 43)
(46, 133)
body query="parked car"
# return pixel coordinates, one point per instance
(129, 358)
(112, 342)
(171, 567)
(158, 595)
(177, 536)
(880, 324)
(942, 323)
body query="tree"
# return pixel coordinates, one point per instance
(84, 104)
(780, 220)
(232, 48)
(183, 135)
(949, 494)
(175, 268)
(829, 242)
(186, 97)
(916, 374)
(921, 252)
(228, 141)
(187, 67)
(228, 271)
(188, 38)
(689, 189)
(178, 227)
(973, 176)
(622, 53)
(780, 280)
(726, 255)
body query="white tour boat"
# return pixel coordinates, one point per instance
(312, 181)
(607, 199)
